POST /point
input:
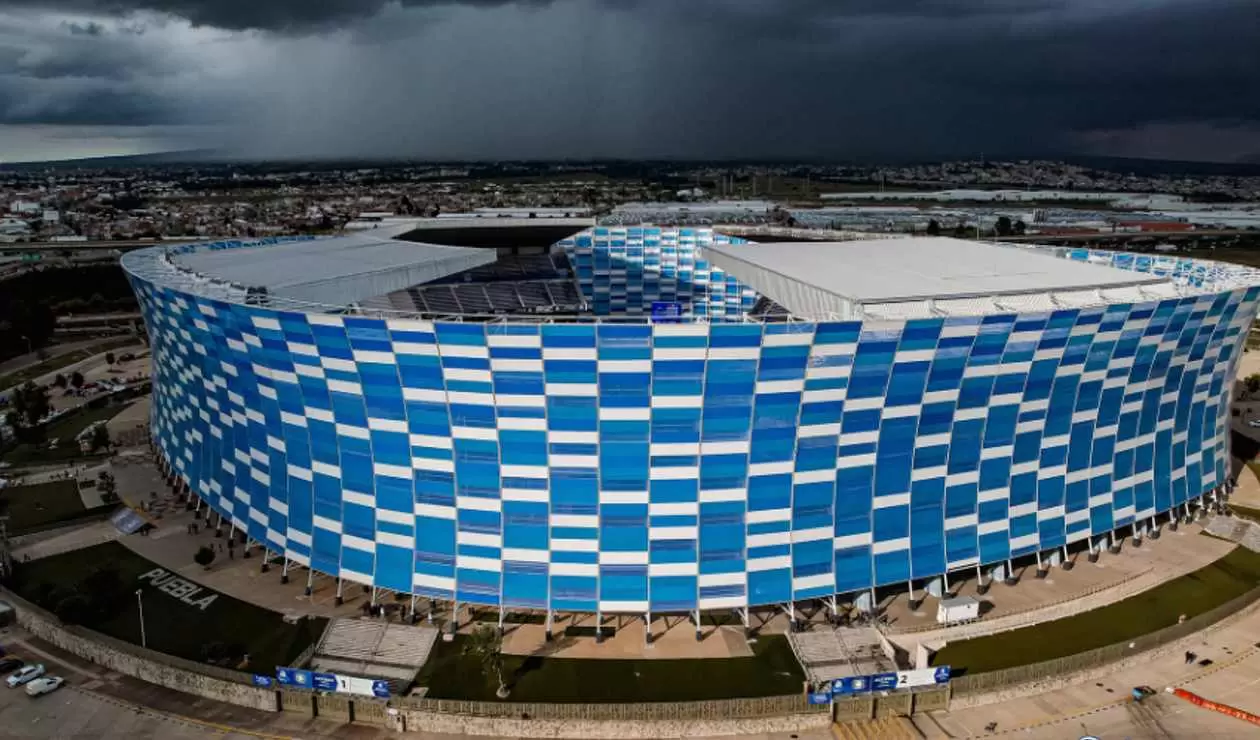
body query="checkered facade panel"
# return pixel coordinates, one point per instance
(670, 467)
(622, 271)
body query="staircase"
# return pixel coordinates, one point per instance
(884, 728)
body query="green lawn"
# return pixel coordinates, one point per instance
(1191, 594)
(36, 507)
(772, 671)
(173, 626)
(56, 363)
(64, 429)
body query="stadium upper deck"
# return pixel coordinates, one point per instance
(533, 462)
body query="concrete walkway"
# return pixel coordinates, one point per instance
(1101, 705)
(1112, 579)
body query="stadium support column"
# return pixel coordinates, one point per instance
(547, 637)
(790, 610)
(266, 564)
(647, 629)
(411, 613)
(453, 627)
(310, 581)
(502, 614)
(743, 613)
(1010, 573)
(696, 615)
(599, 627)
(338, 600)
(284, 572)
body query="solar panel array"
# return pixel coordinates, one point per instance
(670, 467)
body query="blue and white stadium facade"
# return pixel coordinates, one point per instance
(611, 464)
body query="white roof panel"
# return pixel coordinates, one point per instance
(336, 271)
(821, 279)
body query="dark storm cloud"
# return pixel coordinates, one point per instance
(639, 78)
(267, 15)
(90, 28)
(80, 104)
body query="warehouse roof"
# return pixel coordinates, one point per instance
(908, 277)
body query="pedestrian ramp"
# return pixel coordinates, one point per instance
(827, 654)
(374, 648)
(1235, 529)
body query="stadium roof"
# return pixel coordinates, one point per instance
(337, 271)
(925, 276)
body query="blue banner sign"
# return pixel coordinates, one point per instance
(666, 312)
(819, 697)
(295, 677)
(851, 685)
(380, 689)
(324, 682)
(265, 682)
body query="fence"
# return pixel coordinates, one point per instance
(122, 646)
(719, 709)
(981, 683)
(860, 708)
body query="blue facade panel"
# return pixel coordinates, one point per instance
(673, 467)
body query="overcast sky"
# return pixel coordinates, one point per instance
(631, 78)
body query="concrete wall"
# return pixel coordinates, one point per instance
(449, 724)
(132, 661)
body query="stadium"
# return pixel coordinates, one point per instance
(550, 415)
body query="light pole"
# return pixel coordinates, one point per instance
(144, 640)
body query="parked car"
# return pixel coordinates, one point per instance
(45, 685)
(1254, 423)
(9, 665)
(27, 674)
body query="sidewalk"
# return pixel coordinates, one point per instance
(1102, 706)
(1086, 587)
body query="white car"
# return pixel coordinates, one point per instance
(1254, 423)
(26, 675)
(45, 685)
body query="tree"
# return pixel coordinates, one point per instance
(60, 381)
(109, 358)
(30, 401)
(107, 486)
(934, 228)
(73, 609)
(100, 440)
(76, 379)
(103, 588)
(485, 645)
(1003, 227)
(204, 557)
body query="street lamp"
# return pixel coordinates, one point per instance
(144, 640)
